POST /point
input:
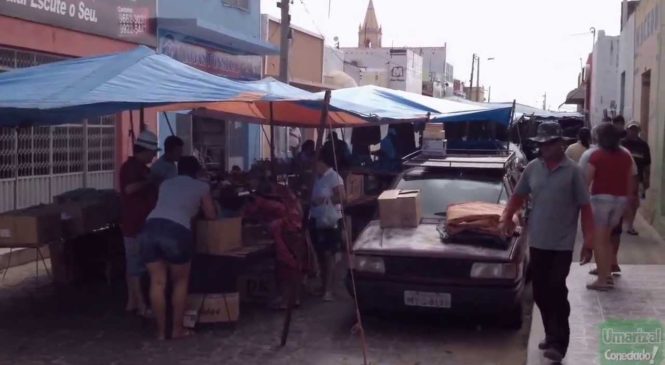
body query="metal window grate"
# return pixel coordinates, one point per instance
(15, 58)
(39, 162)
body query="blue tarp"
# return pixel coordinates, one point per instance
(390, 104)
(522, 110)
(71, 90)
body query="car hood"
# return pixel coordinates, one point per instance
(424, 241)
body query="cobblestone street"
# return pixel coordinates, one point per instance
(42, 325)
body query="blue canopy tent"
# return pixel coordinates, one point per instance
(403, 102)
(353, 107)
(72, 90)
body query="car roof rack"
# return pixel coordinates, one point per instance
(464, 159)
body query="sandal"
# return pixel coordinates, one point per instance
(599, 286)
(616, 271)
(185, 334)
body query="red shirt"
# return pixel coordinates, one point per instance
(136, 206)
(612, 172)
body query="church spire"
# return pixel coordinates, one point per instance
(369, 35)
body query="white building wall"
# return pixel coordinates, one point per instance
(605, 71)
(398, 69)
(626, 72)
(434, 62)
(333, 60)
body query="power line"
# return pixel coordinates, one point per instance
(318, 29)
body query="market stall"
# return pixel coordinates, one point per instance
(69, 92)
(229, 247)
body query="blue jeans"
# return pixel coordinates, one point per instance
(165, 240)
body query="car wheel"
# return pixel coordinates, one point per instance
(515, 318)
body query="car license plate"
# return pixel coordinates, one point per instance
(425, 299)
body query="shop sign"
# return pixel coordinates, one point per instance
(127, 20)
(211, 60)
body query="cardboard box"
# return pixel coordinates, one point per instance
(34, 226)
(257, 287)
(434, 131)
(212, 308)
(355, 187)
(434, 147)
(400, 208)
(219, 236)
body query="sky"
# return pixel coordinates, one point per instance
(536, 44)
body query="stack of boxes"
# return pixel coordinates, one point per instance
(434, 140)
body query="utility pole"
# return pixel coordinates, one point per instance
(489, 95)
(545, 101)
(473, 65)
(285, 28)
(478, 82)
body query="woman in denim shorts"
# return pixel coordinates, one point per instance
(167, 242)
(609, 172)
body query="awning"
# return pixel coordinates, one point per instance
(523, 110)
(440, 110)
(354, 107)
(228, 40)
(71, 90)
(576, 96)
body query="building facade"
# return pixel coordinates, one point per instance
(38, 163)
(393, 68)
(438, 75)
(626, 70)
(649, 94)
(475, 93)
(370, 32)
(223, 38)
(605, 66)
(306, 60)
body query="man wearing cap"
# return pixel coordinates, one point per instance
(641, 153)
(138, 193)
(558, 192)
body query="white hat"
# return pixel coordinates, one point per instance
(633, 124)
(147, 140)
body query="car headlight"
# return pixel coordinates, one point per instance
(368, 264)
(495, 271)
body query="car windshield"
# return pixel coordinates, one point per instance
(440, 191)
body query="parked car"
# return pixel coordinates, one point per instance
(417, 270)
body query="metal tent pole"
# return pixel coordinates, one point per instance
(289, 309)
(272, 142)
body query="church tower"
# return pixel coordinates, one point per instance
(369, 34)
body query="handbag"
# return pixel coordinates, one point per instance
(329, 216)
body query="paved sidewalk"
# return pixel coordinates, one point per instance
(639, 294)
